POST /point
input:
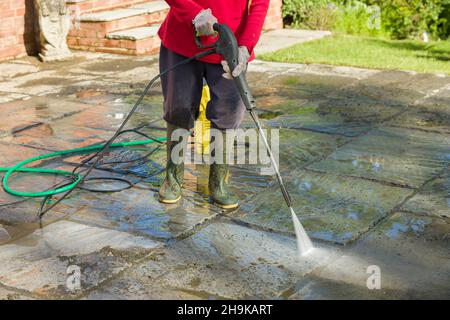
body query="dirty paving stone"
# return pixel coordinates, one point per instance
(394, 155)
(400, 87)
(309, 117)
(330, 208)
(39, 262)
(225, 260)
(433, 199)
(130, 288)
(413, 256)
(6, 294)
(431, 114)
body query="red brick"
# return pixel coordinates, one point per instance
(17, 4)
(20, 12)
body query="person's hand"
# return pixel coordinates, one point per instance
(244, 55)
(204, 22)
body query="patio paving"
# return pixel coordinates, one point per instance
(365, 155)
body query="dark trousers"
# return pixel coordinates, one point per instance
(182, 90)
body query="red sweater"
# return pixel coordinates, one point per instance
(244, 17)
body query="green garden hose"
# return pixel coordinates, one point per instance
(77, 177)
(101, 150)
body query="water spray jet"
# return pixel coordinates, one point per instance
(227, 47)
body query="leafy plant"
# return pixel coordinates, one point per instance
(358, 18)
(311, 14)
(398, 19)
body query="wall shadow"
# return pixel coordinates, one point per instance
(29, 36)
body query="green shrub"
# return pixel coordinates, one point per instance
(358, 18)
(410, 18)
(400, 19)
(310, 14)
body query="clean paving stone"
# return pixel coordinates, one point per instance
(394, 155)
(57, 136)
(39, 262)
(409, 252)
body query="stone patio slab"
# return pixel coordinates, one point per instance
(430, 114)
(227, 261)
(433, 199)
(38, 263)
(6, 294)
(139, 212)
(131, 288)
(401, 87)
(310, 118)
(331, 208)
(394, 155)
(412, 253)
(57, 136)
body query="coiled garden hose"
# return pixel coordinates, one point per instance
(77, 177)
(99, 150)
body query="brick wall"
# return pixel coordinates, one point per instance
(17, 22)
(16, 28)
(274, 18)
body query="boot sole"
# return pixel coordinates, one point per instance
(227, 206)
(169, 201)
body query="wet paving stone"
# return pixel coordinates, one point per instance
(310, 118)
(412, 254)
(130, 288)
(331, 208)
(39, 262)
(429, 114)
(433, 198)
(10, 155)
(21, 113)
(400, 156)
(23, 218)
(226, 261)
(57, 136)
(309, 86)
(4, 234)
(6, 294)
(110, 115)
(139, 212)
(400, 87)
(297, 147)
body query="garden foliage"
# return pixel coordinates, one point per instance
(398, 19)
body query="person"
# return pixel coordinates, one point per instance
(182, 87)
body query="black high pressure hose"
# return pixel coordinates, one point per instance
(100, 154)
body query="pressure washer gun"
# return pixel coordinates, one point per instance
(227, 46)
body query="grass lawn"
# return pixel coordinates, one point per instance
(343, 50)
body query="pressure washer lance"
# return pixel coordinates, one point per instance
(227, 46)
